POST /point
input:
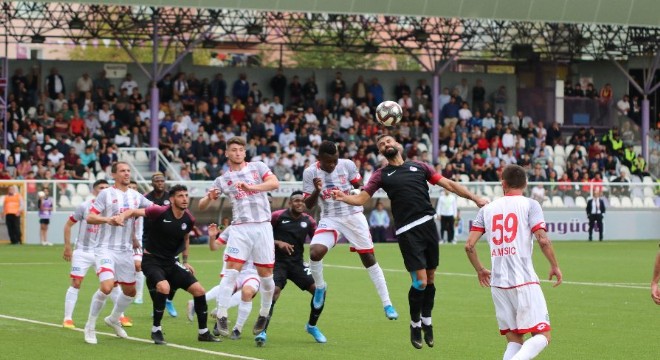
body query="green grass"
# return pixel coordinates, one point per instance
(591, 319)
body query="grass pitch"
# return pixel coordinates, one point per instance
(602, 311)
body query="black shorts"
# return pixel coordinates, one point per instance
(419, 247)
(295, 271)
(44, 221)
(157, 270)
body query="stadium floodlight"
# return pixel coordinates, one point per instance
(76, 23)
(38, 39)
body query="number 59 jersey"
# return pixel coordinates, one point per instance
(509, 224)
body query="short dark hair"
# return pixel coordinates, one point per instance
(515, 176)
(383, 136)
(134, 182)
(177, 188)
(100, 182)
(297, 192)
(328, 148)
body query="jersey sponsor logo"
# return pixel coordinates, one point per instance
(184, 226)
(541, 327)
(106, 261)
(327, 193)
(240, 194)
(75, 268)
(390, 174)
(303, 225)
(232, 250)
(93, 229)
(286, 221)
(322, 226)
(412, 168)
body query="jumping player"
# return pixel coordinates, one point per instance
(406, 184)
(319, 181)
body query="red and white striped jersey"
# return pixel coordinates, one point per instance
(247, 206)
(86, 240)
(509, 223)
(342, 178)
(111, 202)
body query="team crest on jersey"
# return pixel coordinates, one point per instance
(303, 224)
(412, 168)
(229, 183)
(255, 175)
(342, 179)
(184, 226)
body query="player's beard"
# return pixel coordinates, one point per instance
(391, 153)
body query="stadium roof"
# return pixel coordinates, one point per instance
(613, 12)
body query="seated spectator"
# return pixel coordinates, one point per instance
(538, 193)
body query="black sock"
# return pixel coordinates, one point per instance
(415, 301)
(170, 296)
(429, 299)
(314, 314)
(159, 305)
(270, 314)
(201, 311)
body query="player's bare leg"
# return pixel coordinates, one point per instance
(378, 279)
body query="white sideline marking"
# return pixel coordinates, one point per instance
(612, 285)
(182, 347)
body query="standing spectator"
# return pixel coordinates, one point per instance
(241, 88)
(45, 210)
(605, 102)
(102, 82)
(278, 85)
(379, 222)
(376, 89)
(84, 85)
(447, 210)
(478, 95)
(128, 84)
(595, 211)
(13, 208)
(310, 90)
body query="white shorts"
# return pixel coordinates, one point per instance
(253, 240)
(115, 265)
(81, 261)
(521, 309)
(248, 278)
(354, 228)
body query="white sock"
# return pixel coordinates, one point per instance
(139, 285)
(378, 278)
(226, 289)
(98, 300)
(156, 328)
(531, 348)
(415, 324)
(512, 349)
(235, 299)
(267, 288)
(317, 273)
(426, 321)
(70, 302)
(114, 294)
(244, 309)
(213, 293)
(202, 331)
(122, 303)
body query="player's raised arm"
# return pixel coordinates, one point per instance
(655, 292)
(461, 191)
(355, 200)
(546, 247)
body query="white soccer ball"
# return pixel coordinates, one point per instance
(41, 194)
(389, 113)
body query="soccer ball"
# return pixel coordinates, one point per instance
(389, 113)
(41, 194)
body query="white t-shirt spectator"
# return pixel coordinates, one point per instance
(129, 85)
(345, 122)
(508, 140)
(623, 107)
(488, 123)
(464, 114)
